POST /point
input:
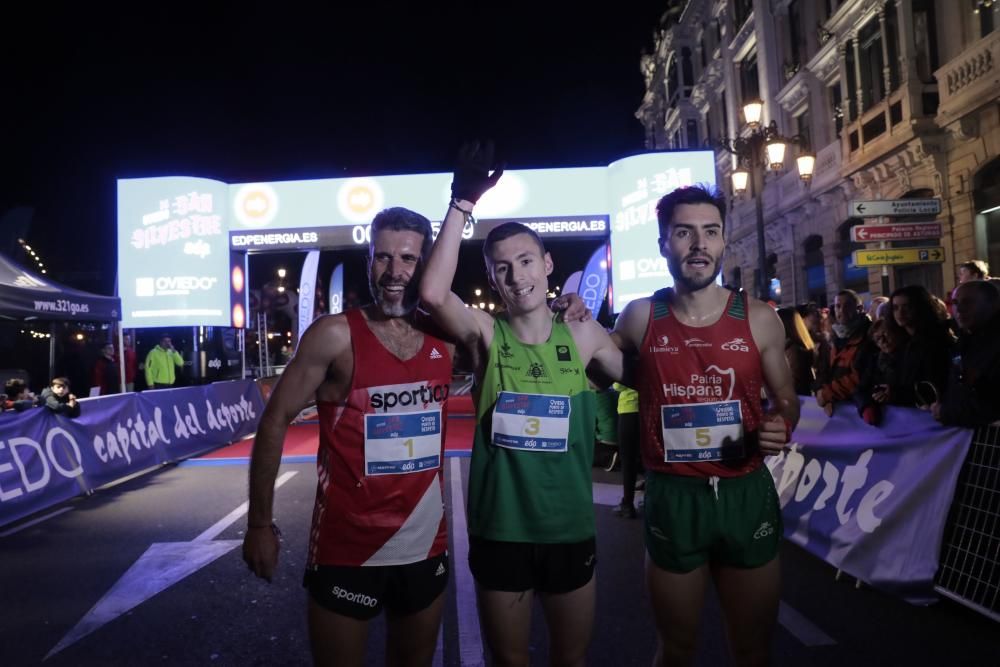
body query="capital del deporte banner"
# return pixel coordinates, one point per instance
(47, 458)
(871, 500)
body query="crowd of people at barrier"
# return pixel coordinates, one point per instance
(56, 397)
(911, 349)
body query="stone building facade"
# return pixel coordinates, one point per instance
(897, 99)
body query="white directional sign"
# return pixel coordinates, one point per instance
(877, 207)
(900, 232)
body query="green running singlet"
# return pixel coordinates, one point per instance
(529, 489)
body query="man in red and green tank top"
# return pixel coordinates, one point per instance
(705, 353)
(531, 514)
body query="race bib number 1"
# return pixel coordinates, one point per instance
(531, 422)
(702, 432)
(397, 444)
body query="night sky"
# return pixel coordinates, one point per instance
(250, 91)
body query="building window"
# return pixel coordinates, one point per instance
(796, 43)
(802, 129)
(671, 82)
(836, 107)
(852, 83)
(687, 71)
(925, 39)
(984, 13)
(742, 10)
(692, 133)
(815, 270)
(749, 81)
(892, 43)
(870, 51)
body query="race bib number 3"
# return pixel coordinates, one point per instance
(531, 422)
(397, 444)
(702, 432)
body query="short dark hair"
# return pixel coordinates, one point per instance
(691, 194)
(399, 219)
(163, 335)
(14, 386)
(987, 289)
(507, 230)
(61, 380)
(851, 293)
(977, 267)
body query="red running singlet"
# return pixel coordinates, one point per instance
(709, 377)
(379, 499)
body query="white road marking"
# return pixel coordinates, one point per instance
(470, 638)
(161, 566)
(802, 628)
(33, 522)
(216, 529)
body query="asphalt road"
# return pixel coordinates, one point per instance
(149, 572)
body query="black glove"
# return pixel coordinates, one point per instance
(472, 171)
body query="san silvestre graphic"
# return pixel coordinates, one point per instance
(177, 236)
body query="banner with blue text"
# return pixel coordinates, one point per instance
(47, 458)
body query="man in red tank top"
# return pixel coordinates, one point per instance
(705, 353)
(380, 379)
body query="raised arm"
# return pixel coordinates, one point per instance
(325, 341)
(472, 178)
(769, 336)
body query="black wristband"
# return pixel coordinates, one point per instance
(469, 218)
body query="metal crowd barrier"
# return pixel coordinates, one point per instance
(969, 570)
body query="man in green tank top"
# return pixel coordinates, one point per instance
(531, 518)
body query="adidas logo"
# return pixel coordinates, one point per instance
(435, 354)
(440, 570)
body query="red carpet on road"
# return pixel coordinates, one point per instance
(303, 439)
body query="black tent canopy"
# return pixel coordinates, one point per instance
(25, 295)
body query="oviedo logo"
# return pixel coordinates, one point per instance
(359, 199)
(255, 204)
(662, 344)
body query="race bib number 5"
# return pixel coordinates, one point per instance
(531, 422)
(398, 444)
(702, 432)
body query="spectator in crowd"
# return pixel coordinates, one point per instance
(160, 364)
(972, 397)
(975, 269)
(131, 364)
(798, 350)
(924, 346)
(18, 396)
(875, 305)
(850, 333)
(104, 375)
(877, 371)
(628, 449)
(57, 398)
(817, 321)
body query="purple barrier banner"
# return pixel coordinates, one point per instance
(871, 500)
(46, 459)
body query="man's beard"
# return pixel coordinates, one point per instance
(401, 309)
(692, 283)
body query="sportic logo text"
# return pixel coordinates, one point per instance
(412, 396)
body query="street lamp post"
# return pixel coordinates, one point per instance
(750, 151)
